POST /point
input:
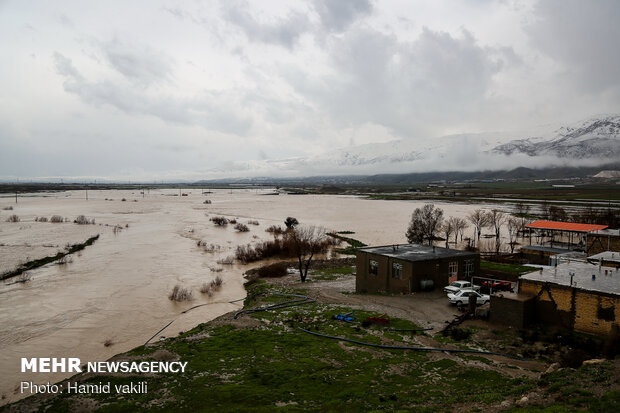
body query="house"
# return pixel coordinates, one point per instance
(576, 295)
(406, 268)
(606, 258)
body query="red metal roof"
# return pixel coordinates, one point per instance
(565, 226)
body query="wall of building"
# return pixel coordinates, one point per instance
(600, 243)
(536, 256)
(508, 309)
(436, 270)
(587, 311)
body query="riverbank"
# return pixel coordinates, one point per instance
(31, 265)
(264, 361)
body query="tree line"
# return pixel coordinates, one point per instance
(428, 222)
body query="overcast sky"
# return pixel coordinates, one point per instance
(164, 90)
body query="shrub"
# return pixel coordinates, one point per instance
(219, 221)
(82, 220)
(56, 219)
(216, 269)
(207, 201)
(108, 343)
(206, 289)
(9, 208)
(64, 260)
(41, 219)
(12, 218)
(283, 248)
(23, 278)
(459, 334)
(241, 227)
(226, 261)
(247, 253)
(233, 221)
(211, 247)
(124, 200)
(253, 222)
(217, 282)
(179, 293)
(275, 230)
(279, 269)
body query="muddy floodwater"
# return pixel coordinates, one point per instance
(113, 296)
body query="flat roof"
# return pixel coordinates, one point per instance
(610, 256)
(609, 232)
(545, 249)
(565, 226)
(415, 252)
(513, 296)
(582, 277)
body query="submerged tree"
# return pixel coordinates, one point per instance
(522, 212)
(425, 222)
(479, 219)
(447, 230)
(459, 227)
(291, 222)
(496, 219)
(513, 229)
(306, 241)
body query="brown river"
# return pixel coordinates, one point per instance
(113, 296)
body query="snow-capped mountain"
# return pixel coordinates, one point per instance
(591, 142)
(593, 138)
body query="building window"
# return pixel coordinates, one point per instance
(469, 268)
(373, 267)
(397, 271)
(453, 269)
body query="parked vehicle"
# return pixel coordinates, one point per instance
(457, 286)
(492, 286)
(462, 297)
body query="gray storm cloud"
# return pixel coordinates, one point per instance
(256, 87)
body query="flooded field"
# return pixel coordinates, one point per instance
(113, 296)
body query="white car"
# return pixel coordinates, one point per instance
(457, 286)
(462, 297)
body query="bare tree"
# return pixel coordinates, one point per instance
(306, 241)
(557, 213)
(544, 210)
(498, 245)
(513, 229)
(425, 222)
(459, 227)
(479, 219)
(522, 212)
(447, 228)
(496, 220)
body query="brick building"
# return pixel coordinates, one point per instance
(576, 295)
(603, 240)
(407, 268)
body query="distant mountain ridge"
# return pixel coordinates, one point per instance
(589, 143)
(598, 137)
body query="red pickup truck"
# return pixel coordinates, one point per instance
(489, 286)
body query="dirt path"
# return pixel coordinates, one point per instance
(428, 309)
(424, 309)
